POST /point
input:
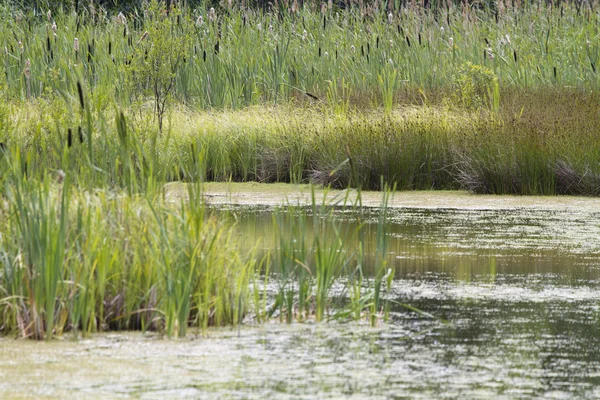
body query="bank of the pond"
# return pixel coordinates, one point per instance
(252, 194)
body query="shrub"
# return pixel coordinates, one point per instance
(160, 51)
(476, 87)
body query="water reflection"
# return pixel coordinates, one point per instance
(465, 244)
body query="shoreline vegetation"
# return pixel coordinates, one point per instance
(100, 109)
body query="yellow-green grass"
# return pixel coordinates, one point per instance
(535, 144)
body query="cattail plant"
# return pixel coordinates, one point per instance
(27, 73)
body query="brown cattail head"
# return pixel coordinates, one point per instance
(80, 93)
(144, 37)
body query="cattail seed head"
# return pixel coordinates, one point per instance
(391, 43)
(54, 28)
(199, 21)
(144, 37)
(76, 45)
(121, 19)
(390, 18)
(451, 42)
(49, 16)
(323, 8)
(212, 16)
(80, 93)
(304, 35)
(27, 70)
(60, 176)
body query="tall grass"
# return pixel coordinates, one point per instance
(528, 147)
(82, 262)
(246, 57)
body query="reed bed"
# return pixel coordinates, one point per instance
(80, 261)
(100, 109)
(537, 150)
(234, 57)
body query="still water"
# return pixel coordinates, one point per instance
(512, 288)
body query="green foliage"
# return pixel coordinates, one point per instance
(476, 87)
(159, 53)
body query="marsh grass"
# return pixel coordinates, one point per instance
(246, 57)
(527, 147)
(89, 241)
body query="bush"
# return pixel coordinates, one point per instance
(476, 87)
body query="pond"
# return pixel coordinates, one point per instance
(508, 300)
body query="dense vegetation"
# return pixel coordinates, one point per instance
(100, 108)
(518, 82)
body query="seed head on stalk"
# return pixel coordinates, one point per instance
(121, 19)
(144, 37)
(49, 16)
(27, 70)
(199, 21)
(76, 45)
(390, 18)
(54, 28)
(27, 73)
(212, 16)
